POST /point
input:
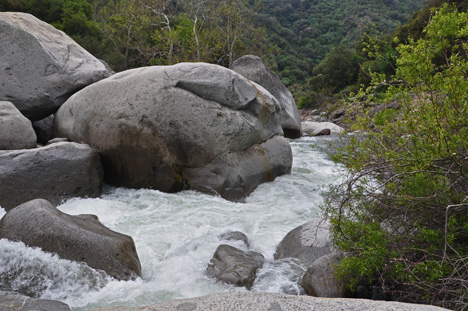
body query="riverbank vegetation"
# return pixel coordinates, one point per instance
(401, 213)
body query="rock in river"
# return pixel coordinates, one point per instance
(234, 266)
(79, 238)
(56, 172)
(187, 126)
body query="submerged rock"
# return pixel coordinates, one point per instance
(41, 66)
(248, 301)
(56, 172)
(253, 68)
(16, 131)
(234, 266)
(235, 236)
(188, 126)
(306, 243)
(79, 238)
(25, 303)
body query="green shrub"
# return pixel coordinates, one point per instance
(401, 213)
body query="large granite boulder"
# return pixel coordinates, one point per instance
(16, 131)
(41, 66)
(306, 243)
(25, 303)
(79, 238)
(248, 301)
(56, 172)
(234, 266)
(187, 126)
(253, 68)
(320, 278)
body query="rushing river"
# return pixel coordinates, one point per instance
(176, 236)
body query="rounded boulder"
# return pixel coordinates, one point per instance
(16, 131)
(82, 238)
(187, 126)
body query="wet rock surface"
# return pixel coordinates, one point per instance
(81, 238)
(234, 266)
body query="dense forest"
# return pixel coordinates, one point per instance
(292, 37)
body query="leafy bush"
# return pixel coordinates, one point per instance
(401, 214)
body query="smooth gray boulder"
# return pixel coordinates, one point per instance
(56, 172)
(311, 128)
(306, 243)
(25, 303)
(253, 68)
(187, 126)
(79, 238)
(16, 131)
(234, 266)
(320, 278)
(41, 66)
(248, 301)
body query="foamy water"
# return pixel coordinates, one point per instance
(176, 236)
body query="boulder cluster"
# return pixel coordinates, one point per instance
(68, 124)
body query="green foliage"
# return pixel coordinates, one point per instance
(305, 32)
(401, 213)
(339, 69)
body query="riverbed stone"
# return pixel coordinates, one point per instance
(320, 278)
(56, 172)
(234, 266)
(311, 128)
(16, 131)
(249, 301)
(41, 66)
(25, 303)
(187, 126)
(253, 68)
(81, 238)
(306, 243)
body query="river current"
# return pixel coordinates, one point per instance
(175, 237)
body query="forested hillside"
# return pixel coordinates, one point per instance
(305, 31)
(293, 37)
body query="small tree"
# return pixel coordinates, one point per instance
(402, 213)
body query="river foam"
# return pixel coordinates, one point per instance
(176, 236)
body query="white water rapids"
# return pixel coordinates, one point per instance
(175, 237)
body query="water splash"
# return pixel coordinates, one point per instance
(176, 236)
